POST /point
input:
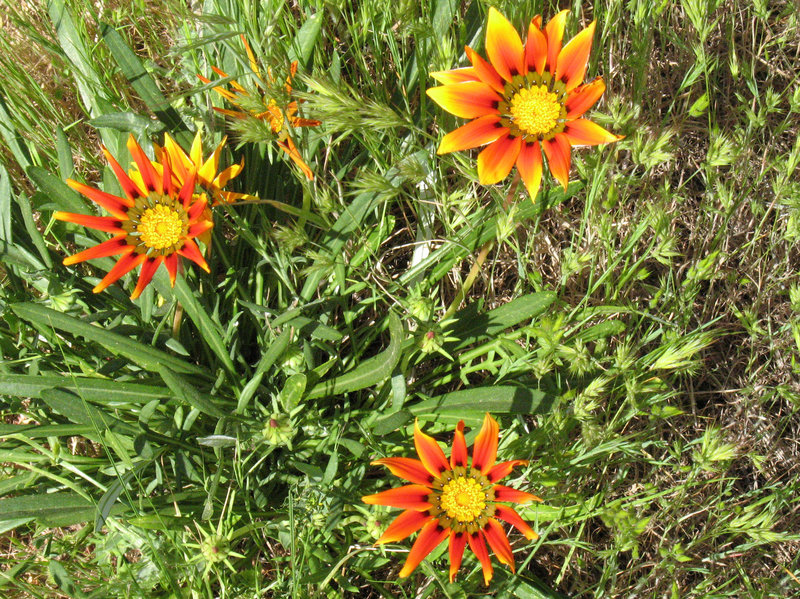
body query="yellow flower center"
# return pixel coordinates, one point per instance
(160, 227)
(535, 110)
(463, 499)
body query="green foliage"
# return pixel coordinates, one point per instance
(637, 335)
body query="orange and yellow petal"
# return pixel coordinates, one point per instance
(458, 455)
(109, 224)
(458, 540)
(554, 32)
(288, 146)
(485, 71)
(529, 165)
(171, 262)
(497, 159)
(406, 524)
(192, 252)
(572, 60)
(536, 47)
(113, 247)
(149, 267)
(455, 75)
(582, 132)
(582, 98)
(504, 46)
(500, 471)
(124, 265)
(149, 176)
(498, 541)
(429, 452)
(431, 535)
(557, 151)
(408, 497)
(477, 132)
(484, 452)
(407, 468)
(513, 518)
(131, 190)
(478, 546)
(111, 203)
(507, 494)
(467, 100)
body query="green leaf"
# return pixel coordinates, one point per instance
(471, 327)
(275, 351)
(6, 238)
(188, 394)
(54, 188)
(65, 508)
(144, 85)
(145, 356)
(91, 389)
(391, 422)
(78, 411)
(477, 401)
(306, 39)
(210, 331)
(64, 581)
(370, 371)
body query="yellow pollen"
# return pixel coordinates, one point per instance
(535, 111)
(160, 227)
(463, 499)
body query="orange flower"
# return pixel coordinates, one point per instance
(450, 500)
(272, 113)
(525, 99)
(153, 222)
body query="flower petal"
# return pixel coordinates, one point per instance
(403, 526)
(146, 170)
(554, 32)
(571, 66)
(582, 98)
(459, 456)
(478, 546)
(455, 75)
(199, 228)
(171, 262)
(407, 497)
(495, 162)
(109, 224)
(113, 247)
(503, 493)
(408, 468)
(485, 71)
(149, 267)
(288, 146)
(582, 132)
(429, 452)
(535, 47)
(509, 515)
(432, 534)
(500, 471)
(498, 541)
(484, 452)
(192, 252)
(529, 165)
(477, 132)
(467, 100)
(503, 46)
(458, 541)
(125, 264)
(557, 151)
(132, 191)
(111, 203)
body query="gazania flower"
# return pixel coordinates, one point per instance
(206, 175)
(153, 222)
(454, 500)
(525, 99)
(268, 108)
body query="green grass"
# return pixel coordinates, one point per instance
(637, 337)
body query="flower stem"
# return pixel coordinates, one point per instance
(482, 254)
